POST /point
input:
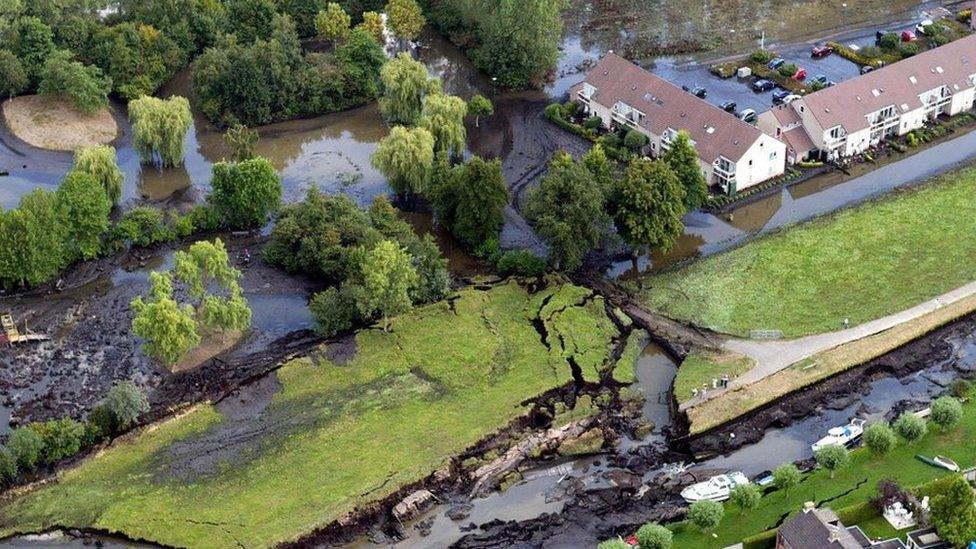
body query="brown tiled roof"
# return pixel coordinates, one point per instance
(798, 139)
(786, 115)
(715, 132)
(813, 530)
(849, 102)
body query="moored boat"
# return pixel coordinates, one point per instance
(716, 488)
(939, 461)
(843, 436)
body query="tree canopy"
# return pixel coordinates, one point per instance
(406, 157)
(443, 116)
(245, 193)
(479, 106)
(84, 85)
(648, 204)
(169, 329)
(470, 201)
(387, 276)
(333, 22)
(84, 208)
(99, 162)
(405, 84)
(683, 160)
(405, 18)
(953, 512)
(159, 127)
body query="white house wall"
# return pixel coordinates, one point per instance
(764, 160)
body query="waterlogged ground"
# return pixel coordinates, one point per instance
(348, 424)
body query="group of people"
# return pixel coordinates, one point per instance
(717, 383)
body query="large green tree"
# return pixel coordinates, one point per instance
(405, 84)
(568, 210)
(387, 278)
(303, 13)
(251, 20)
(159, 127)
(953, 512)
(333, 22)
(405, 18)
(406, 157)
(33, 43)
(99, 162)
(683, 159)
(84, 85)
(245, 193)
(168, 329)
(33, 237)
(470, 201)
(138, 58)
(85, 208)
(648, 204)
(205, 269)
(443, 116)
(518, 40)
(13, 77)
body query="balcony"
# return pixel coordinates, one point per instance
(583, 97)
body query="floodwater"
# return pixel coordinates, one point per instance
(655, 378)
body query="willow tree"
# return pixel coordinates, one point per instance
(205, 266)
(443, 116)
(159, 126)
(406, 157)
(168, 329)
(99, 162)
(405, 84)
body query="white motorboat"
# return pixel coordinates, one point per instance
(716, 488)
(843, 436)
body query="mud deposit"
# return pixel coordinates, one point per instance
(92, 348)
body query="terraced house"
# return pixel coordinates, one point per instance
(734, 155)
(848, 118)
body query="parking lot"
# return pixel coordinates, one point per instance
(690, 73)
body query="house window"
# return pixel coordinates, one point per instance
(772, 155)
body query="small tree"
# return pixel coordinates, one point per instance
(635, 140)
(910, 427)
(786, 476)
(241, 141)
(159, 127)
(387, 275)
(706, 514)
(745, 496)
(99, 162)
(654, 536)
(405, 18)
(615, 543)
(406, 157)
(8, 467)
(879, 438)
(373, 25)
(84, 85)
(946, 412)
(85, 208)
(169, 330)
(206, 266)
(683, 160)
(333, 23)
(62, 438)
(443, 116)
(125, 402)
(953, 512)
(832, 457)
(27, 447)
(245, 193)
(479, 106)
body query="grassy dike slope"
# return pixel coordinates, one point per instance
(333, 436)
(861, 263)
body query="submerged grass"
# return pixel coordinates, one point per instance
(852, 485)
(862, 263)
(408, 401)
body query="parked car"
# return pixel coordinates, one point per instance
(729, 106)
(800, 74)
(748, 115)
(879, 34)
(908, 36)
(699, 91)
(819, 79)
(763, 85)
(776, 63)
(866, 69)
(790, 98)
(779, 95)
(821, 50)
(923, 27)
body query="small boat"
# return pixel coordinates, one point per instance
(939, 461)
(844, 436)
(716, 488)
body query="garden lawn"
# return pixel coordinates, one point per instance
(861, 263)
(855, 484)
(333, 436)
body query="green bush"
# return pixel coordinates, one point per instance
(593, 122)
(961, 388)
(787, 70)
(907, 49)
(126, 402)
(946, 412)
(635, 140)
(706, 514)
(889, 41)
(786, 476)
(762, 56)
(654, 536)
(910, 427)
(764, 540)
(745, 496)
(334, 311)
(27, 447)
(832, 457)
(521, 263)
(8, 467)
(142, 226)
(61, 438)
(616, 543)
(879, 438)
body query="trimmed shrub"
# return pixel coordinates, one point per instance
(706, 514)
(786, 476)
(910, 427)
(654, 536)
(745, 496)
(946, 412)
(879, 438)
(832, 457)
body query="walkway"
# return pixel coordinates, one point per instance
(773, 356)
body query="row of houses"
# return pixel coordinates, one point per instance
(835, 122)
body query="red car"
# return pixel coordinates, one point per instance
(821, 50)
(801, 74)
(908, 36)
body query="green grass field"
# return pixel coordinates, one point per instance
(862, 263)
(852, 485)
(333, 436)
(701, 367)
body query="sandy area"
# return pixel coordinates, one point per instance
(212, 345)
(55, 124)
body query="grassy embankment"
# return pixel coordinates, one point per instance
(333, 436)
(701, 367)
(862, 263)
(850, 486)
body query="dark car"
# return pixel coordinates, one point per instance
(821, 50)
(866, 69)
(878, 35)
(776, 63)
(779, 95)
(762, 85)
(729, 106)
(819, 79)
(699, 91)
